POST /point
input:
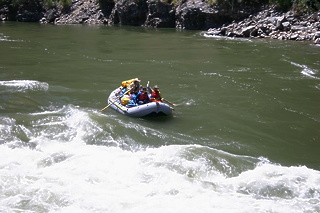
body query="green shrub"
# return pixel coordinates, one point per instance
(16, 3)
(233, 4)
(48, 4)
(212, 2)
(283, 4)
(307, 5)
(66, 3)
(297, 5)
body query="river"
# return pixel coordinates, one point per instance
(244, 136)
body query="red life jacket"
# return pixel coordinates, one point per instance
(143, 96)
(156, 95)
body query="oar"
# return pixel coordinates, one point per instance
(165, 100)
(112, 102)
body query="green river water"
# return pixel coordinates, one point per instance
(244, 97)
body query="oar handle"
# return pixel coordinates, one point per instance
(165, 100)
(112, 102)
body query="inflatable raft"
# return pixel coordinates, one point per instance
(151, 109)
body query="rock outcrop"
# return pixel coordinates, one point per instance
(275, 25)
(80, 12)
(129, 13)
(160, 14)
(187, 14)
(199, 15)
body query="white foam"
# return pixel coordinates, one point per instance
(7, 38)
(62, 173)
(73, 176)
(306, 70)
(25, 85)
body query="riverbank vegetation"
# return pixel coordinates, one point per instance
(53, 3)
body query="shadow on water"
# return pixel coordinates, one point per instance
(159, 119)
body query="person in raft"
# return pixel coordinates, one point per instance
(134, 87)
(142, 97)
(155, 93)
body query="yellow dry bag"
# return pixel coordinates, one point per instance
(125, 100)
(128, 82)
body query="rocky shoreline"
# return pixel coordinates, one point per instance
(254, 22)
(275, 25)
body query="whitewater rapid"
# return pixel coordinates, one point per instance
(68, 159)
(75, 177)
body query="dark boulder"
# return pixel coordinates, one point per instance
(194, 15)
(160, 14)
(25, 11)
(201, 15)
(129, 13)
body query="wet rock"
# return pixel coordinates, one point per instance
(49, 16)
(248, 31)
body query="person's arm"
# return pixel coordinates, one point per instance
(149, 88)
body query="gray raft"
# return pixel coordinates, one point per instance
(152, 109)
